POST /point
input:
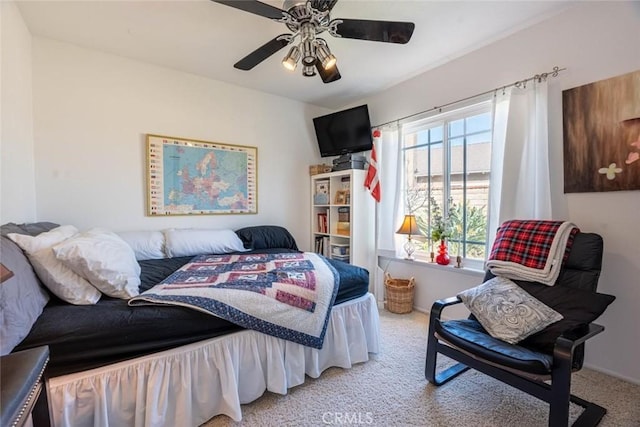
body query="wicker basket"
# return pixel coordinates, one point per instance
(399, 294)
(316, 169)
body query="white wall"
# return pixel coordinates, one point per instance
(593, 41)
(17, 180)
(91, 114)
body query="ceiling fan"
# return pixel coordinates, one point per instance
(306, 19)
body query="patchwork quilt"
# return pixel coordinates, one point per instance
(286, 295)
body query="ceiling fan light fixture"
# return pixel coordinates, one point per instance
(309, 71)
(291, 60)
(308, 52)
(326, 58)
(306, 21)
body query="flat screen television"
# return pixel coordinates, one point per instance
(344, 132)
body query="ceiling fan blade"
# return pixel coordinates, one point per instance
(262, 53)
(328, 76)
(323, 5)
(377, 31)
(255, 7)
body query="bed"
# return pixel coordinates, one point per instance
(113, 364)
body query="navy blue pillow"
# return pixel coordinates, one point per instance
(266, 237)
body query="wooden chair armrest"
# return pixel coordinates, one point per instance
(439, 305)
(567, 342)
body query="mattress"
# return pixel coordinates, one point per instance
(85, 337)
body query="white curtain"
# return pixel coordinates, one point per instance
(519, 184)
(389, 211)
(389, 208)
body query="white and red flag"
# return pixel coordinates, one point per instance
(372, 181)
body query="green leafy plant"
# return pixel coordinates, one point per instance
(442, 227)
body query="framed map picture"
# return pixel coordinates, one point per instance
(191, 177)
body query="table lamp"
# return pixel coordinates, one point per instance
(409, 227)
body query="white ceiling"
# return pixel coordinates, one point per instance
(207, 38)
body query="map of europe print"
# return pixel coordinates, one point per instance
(204, 179)
(192, 177)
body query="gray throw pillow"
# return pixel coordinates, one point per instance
(22, 297)
(506, 311)
(30, 228)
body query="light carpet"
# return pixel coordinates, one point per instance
(391, 390)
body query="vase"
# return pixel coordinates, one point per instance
(443, 256)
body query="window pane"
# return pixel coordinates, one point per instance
(422, 219)
(410, 140)
(479, 137)
(416, 166)
(456, 128)
(456, 192)
(436, 134)
(477, 200)
(437, 162)
(479, 123)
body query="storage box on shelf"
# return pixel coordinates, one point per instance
(316, 169)
(349, 215)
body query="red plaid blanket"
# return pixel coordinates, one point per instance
(528, 242)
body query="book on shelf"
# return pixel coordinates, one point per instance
(322, 246)
(323, 226)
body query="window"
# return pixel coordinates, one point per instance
(447, 161)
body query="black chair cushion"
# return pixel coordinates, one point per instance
(586, 253)
(578, 308)
(468, 335)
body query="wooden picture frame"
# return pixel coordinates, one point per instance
(342, 197)
(192, 177)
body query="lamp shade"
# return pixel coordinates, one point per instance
(291, 60)
(409, 226)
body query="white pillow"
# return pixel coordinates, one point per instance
(32, 244)
(104, 259)
(145, 244)
(187, 242)
(58, 278)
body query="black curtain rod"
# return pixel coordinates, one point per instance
(523, 83)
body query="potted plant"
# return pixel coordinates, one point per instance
(441, 230)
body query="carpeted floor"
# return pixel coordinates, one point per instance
(390, 390)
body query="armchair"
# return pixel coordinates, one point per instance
(540, 365)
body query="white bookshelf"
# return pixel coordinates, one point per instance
(346, 197)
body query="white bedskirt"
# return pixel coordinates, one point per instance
(188, 385)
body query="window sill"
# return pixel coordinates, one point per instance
(390, 256)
